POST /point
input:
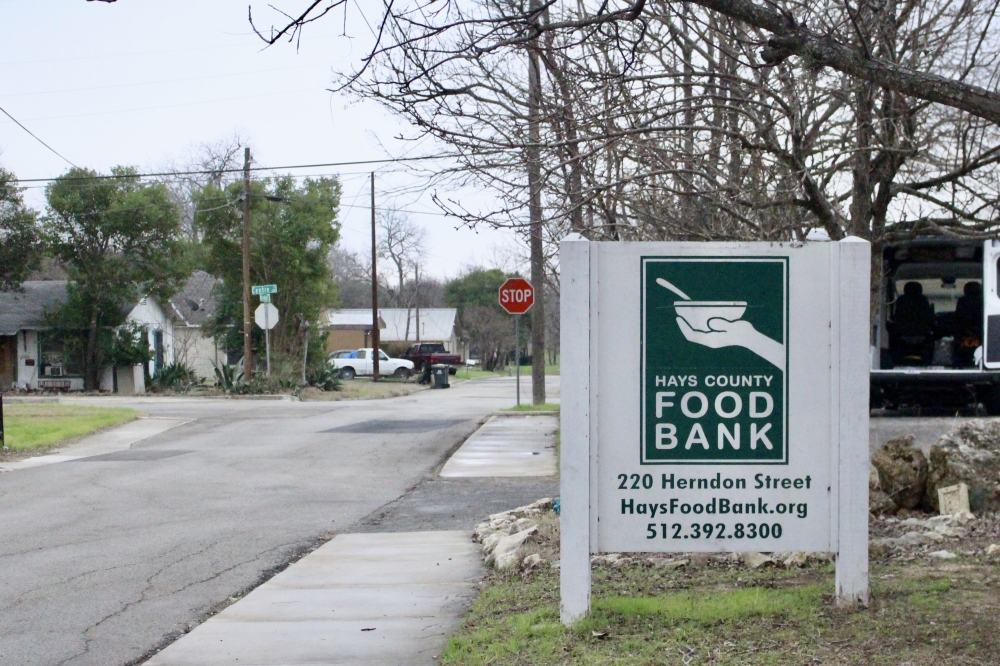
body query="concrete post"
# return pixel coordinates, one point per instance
(854, 258)
(574, 574)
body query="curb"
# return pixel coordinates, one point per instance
(545, 413)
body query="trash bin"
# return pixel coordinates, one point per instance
(440, 372)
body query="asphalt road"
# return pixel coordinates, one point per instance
(104, 561)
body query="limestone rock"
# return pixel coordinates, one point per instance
(964, 517)
(491, 541)
(795, 560)
(953, 499)
(532, 561)
(622, 562)
(942, 555)
(504, 554)
(520, 525)
(992, 549)
(880, 504)
(606, 559)
(667, 562)
(949, 531)
(756, 560)
(902, 471)
(969, 454)
(873, 482)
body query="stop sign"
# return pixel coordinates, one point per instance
(517, 296)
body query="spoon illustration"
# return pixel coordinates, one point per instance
(667, 285)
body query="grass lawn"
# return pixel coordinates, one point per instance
(547, 407)
(28, 426)
(479, 373)
(710, 611)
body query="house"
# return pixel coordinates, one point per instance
(349, 329)
(190, 311)
(31, 358)
(28, 358)
(398, 329)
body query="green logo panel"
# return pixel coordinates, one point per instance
(714, 360)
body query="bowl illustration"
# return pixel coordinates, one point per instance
(697, 313)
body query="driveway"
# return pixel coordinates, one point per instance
(108, 557)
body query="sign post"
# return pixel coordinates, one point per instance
(264, 291)
(733, 411)
(266, 316)
(516, 297)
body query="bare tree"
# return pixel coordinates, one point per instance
(210, 163)
(401, 241)
(662, 120)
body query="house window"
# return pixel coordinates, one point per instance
(61, 356)
(158, 347)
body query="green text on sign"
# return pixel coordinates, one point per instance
(259, 289)
(714, 360)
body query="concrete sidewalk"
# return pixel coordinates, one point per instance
(508, 445)
(109, 441)
(379, 599)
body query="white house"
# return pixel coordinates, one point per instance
(190, 311)
(33, 359)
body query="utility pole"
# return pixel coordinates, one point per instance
(535, 215)
(416, 272)
(375, 331)
(247, 353)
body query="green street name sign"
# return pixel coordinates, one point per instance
(259, 289)
(714, 360)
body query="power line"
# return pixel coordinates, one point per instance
(35, 137)
(206, 172)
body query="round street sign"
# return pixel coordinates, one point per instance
(266, 315)
(517, 296)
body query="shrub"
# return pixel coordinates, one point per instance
(323, 377)
(176, 376)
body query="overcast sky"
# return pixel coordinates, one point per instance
(144, 82)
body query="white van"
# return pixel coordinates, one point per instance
(938, 306)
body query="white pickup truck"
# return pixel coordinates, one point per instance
(350, 363)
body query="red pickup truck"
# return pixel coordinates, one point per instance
(432, 353)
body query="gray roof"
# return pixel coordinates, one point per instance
(26, 309)
(436, 324)
(196, 302)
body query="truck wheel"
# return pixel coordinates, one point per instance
(347, 373)
(991, 400)
(402, 373)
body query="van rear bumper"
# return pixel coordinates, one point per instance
(927, 378)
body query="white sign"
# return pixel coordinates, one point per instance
(715, 399)
(266, 316)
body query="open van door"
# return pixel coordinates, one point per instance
(991, 304)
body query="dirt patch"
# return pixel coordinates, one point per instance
(361, 389)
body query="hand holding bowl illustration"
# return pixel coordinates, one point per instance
(717, 324)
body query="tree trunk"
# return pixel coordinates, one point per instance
(90, 380)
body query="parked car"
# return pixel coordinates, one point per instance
(432, 354)
(349, 364)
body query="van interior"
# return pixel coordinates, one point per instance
(933, 312)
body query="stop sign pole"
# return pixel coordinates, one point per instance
(516, 297)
